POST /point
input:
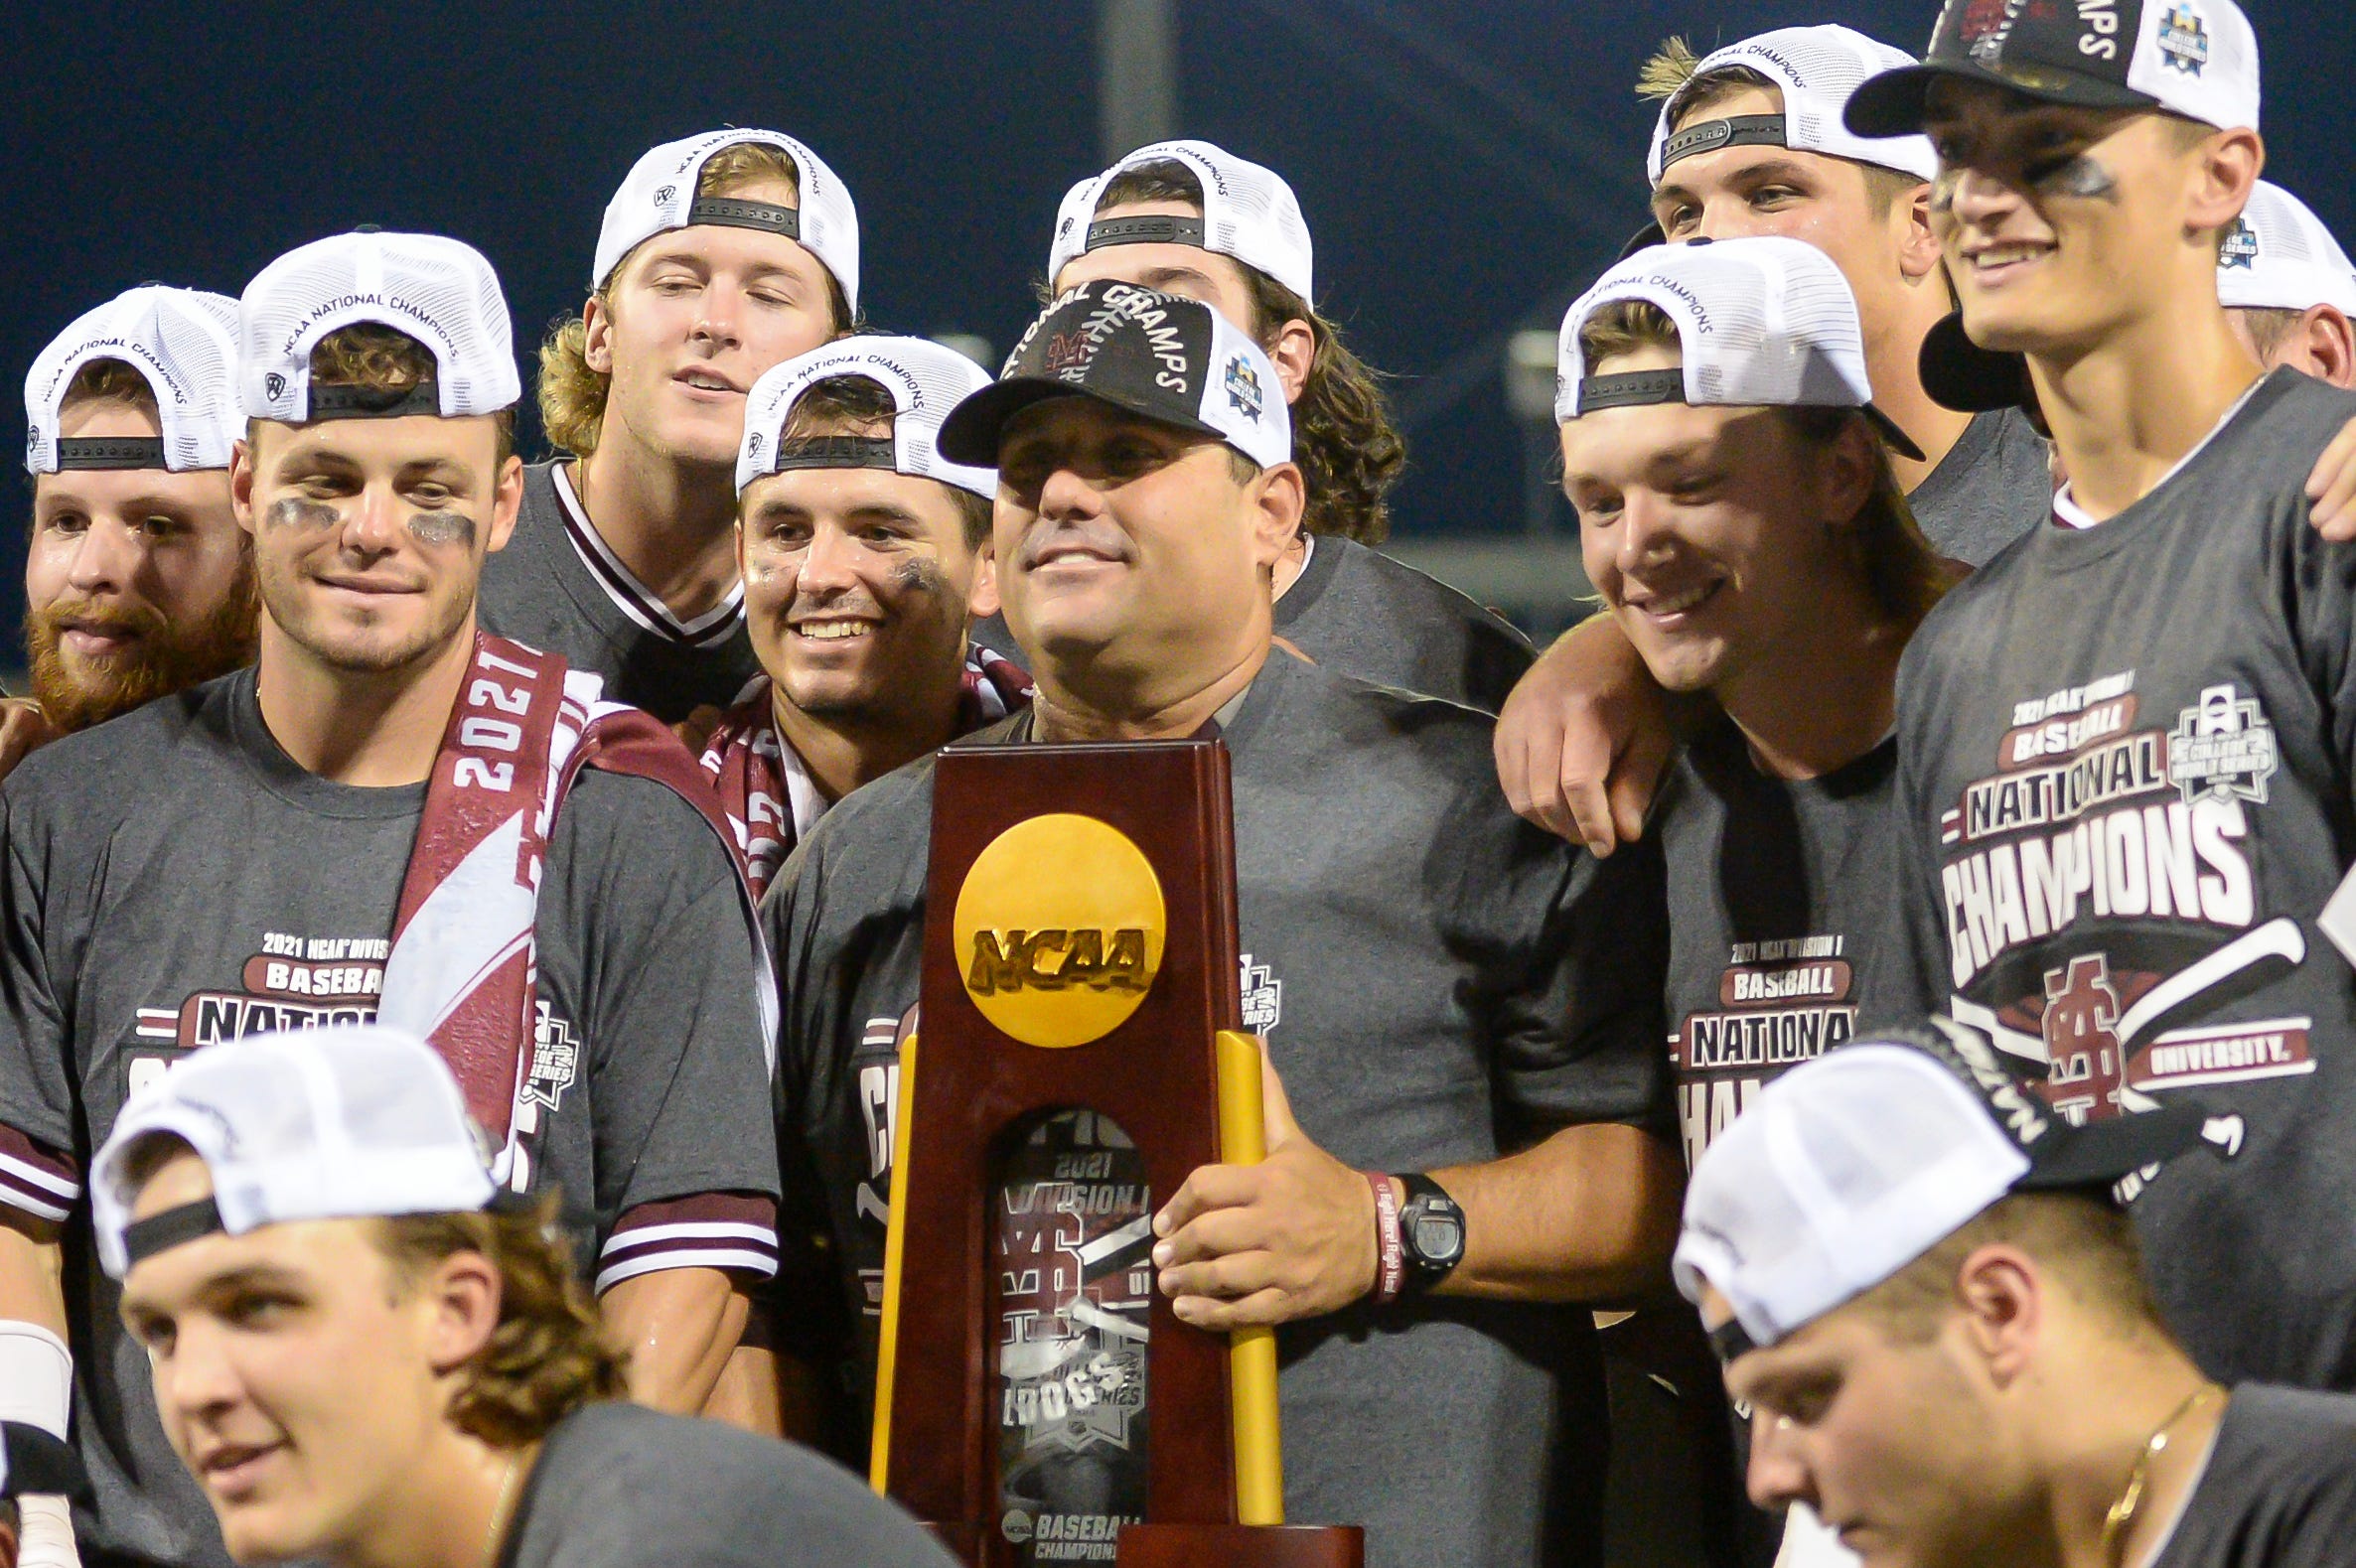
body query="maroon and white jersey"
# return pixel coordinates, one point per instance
(210, 887)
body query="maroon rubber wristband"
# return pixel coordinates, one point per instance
(1391, 1252)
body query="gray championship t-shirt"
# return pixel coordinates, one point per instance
(619, 1485)
(2123, 763)
(2278, 1489)
(1992, 486)
(556, 587)
(1359, 613)
(1438, 981)
(174, 879)
(1787, 914)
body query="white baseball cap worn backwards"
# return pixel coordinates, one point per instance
(184, 345)
(1815, 69)
(1849, 1168)
(305, 1124)
(659, 195)
(1762, 322)
(438, 291)
(924, 380)
(2279, 256)
(1249, 213)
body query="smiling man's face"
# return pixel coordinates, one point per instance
(293, 1371)
(138, 582)
(370, 533)
(1703, 528)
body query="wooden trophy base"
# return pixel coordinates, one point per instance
(1242, 1546)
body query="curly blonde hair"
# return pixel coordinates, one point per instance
(385, 359)
(548, 1355)
(573, 395)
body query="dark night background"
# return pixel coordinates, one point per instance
(1465, 167)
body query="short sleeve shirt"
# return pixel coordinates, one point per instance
(559, 588)
(2278, 1489)
(172, 879)
(1992, 486)
(2123, 763)
(1437, 980)
(617, 1485)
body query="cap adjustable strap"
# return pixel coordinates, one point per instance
(1630, 388)
(111, 451)
(144, 1238)
(376, 402)
(1731, 1340)
(837, 452)
(731, 213)
(1158, 229)
(1741, 130)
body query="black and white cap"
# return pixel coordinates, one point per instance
(303, 1124)
(2278, 256)
(438, 291)
(1249, 213)
(36, 1463)
(183, 342)
(924, 380)
(660, 195)
(2195, 57)
(1170, 360)
(1815, 69)
(1849, 1168)
(1762, 322)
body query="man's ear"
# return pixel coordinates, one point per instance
(2229, 164)
(982, 602)
(1918, 246)
(597, 342)
(460, 1297)
(1293, 352)
(2328, 345)
(242, 484)
(1846, 477)
(507, 501)
(1279, 498)
(2004, 1297)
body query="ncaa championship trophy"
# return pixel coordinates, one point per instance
(1076, 1056)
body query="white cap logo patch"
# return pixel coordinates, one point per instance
(2184, 37)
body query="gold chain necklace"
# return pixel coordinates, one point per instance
(2131, 1497)
(498, 1510)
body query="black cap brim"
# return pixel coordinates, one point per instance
(971, 432)
(1962, 375)
(1896, 440)
(2098, 1153)
(1644, 238)
(41, 1465)
(1896, 103)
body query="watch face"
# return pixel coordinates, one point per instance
(1438, 1238)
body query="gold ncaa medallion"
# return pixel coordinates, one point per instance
(1060, 927)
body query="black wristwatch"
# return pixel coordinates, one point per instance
(1430, 1230)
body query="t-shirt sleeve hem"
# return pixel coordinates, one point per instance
(34, 1180)
(735, 1232)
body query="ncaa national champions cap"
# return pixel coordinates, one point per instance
(1850, 1167)
(438, 291)
(2278, 256)
(303, 1124)
(2195, 57)
(1249, 213)
(1170, 360)
(1815, 69)
(184, 345)
(1762, 322)
(660, 195)
(925, 382)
